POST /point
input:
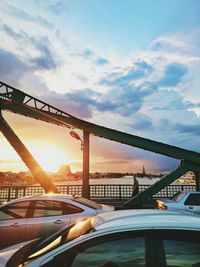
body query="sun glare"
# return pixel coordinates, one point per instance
(50, 158)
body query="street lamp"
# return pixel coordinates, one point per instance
(77, 137)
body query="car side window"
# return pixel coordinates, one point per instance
(124, 252)
(14, 211)
(182, 253)
(193, 199)
(45, 208)
(70, 209)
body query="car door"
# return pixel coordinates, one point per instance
(148, 248)
(13, 223)
(73, 212)
(105, 251)
(45, 218)
(192, 203)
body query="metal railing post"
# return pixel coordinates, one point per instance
(197, 179)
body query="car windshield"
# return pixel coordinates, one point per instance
(88, 203)
(178, 196)
(60, 238)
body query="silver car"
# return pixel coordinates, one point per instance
(126, 238)
(39, 216)
(183, 201)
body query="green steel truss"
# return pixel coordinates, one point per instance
(16, 101)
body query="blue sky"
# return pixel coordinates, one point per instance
(128, 65)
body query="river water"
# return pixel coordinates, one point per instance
(104, 181)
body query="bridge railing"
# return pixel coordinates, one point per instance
(103, 193)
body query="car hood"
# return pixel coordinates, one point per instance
(106, 208)
(7, 253)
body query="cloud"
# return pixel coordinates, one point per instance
(42, 57)
(172, 101)
(192, 129)
(11, 33)
(125, 76)
(45, 60)
(182, 43)
(164, 124)
(81, 103)
(2, 161)
(87, 53)
(74, 104)
(167, 108)
(106, 105)
(169, 43)
(112, 162)
(57, 8)
(129, 99)
(125, 96)
(173, 75)
(90, 55)
(101, 61)
(141, 64)
(123, 101)
(129, 158)
(163, 164)
(11, 68)
(22, 15)
(143, 92)
(141, 122)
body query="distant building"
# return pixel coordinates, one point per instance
(64, 173)
(187, 178)
(64, 170)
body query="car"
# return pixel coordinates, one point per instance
(114, 239)
(39, 216)
(183, 200)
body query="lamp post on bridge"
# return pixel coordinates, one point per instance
(85, 147)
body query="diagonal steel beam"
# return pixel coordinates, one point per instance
(101, 131)
(137, 201)
(17, 101)
(27, 158)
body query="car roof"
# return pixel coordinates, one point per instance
(132, 220)
(189, 192)
(49, 196)
(146, 219)
(119, 221)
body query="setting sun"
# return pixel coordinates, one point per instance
(49, 157)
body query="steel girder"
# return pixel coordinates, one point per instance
(19, 102)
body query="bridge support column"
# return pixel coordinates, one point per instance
(27, 158)
(86, 148)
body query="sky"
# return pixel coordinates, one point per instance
(130, 65)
